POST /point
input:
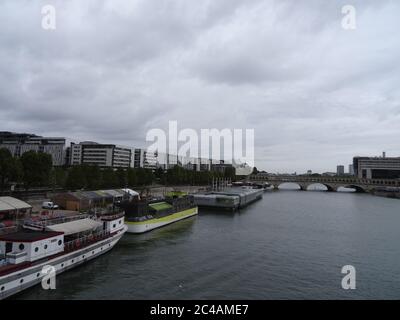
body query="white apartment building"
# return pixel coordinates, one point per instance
(102, 155)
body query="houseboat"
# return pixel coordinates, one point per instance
(143, 215)
(62, 243)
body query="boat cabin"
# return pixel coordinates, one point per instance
(29, 246)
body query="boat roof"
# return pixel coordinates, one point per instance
(10, 203)
(29, 236)
(75, 226)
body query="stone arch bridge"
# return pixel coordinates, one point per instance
(331, 183)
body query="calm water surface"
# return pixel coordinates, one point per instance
(290, 245)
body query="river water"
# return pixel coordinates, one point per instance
(290, 245)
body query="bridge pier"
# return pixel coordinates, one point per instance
(303, 187)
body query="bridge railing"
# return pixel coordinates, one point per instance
(322, 179)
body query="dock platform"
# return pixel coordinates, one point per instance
(231, 198)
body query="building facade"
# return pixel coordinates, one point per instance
(340, 170)
(351, 170)
(19, 143)
(102, 155)
(377, 167)
(144, 159)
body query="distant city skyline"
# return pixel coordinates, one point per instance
(315, 94)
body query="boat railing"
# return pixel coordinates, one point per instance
(51, 221)
(85, 240)
(7, 230)
(112, 216)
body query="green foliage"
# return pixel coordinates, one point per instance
(58, 177)
(110, 179)
(10, 169)
(75, 178)
(36, 168)
(93, 177)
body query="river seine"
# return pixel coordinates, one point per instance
(290, 245)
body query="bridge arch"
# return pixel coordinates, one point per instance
(355, 187)
(285, 185)
(328, 187)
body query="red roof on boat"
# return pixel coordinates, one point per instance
(29, 236)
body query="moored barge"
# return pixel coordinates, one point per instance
(62, 243)
(143, 215)
(230, 199)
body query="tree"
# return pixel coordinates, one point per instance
(122, 178)
(10, 169)
(76, 178)
(36, 168)
(230, 173)
(93, 176)
(132, 177)
(58, 177)
(110, 179)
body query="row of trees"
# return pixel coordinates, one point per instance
(92, 177)
(31, 169)
(35, 170)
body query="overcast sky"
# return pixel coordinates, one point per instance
(315, 93)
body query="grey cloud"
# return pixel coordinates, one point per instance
(314, 93)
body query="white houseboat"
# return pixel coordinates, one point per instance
(62, 243)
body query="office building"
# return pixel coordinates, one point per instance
(102, 155)
(19, 143)
(377, 167)
(144, 159)
(340, 170)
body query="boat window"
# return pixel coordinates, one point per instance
(8, 247)
(36, 249)
(21, 246)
